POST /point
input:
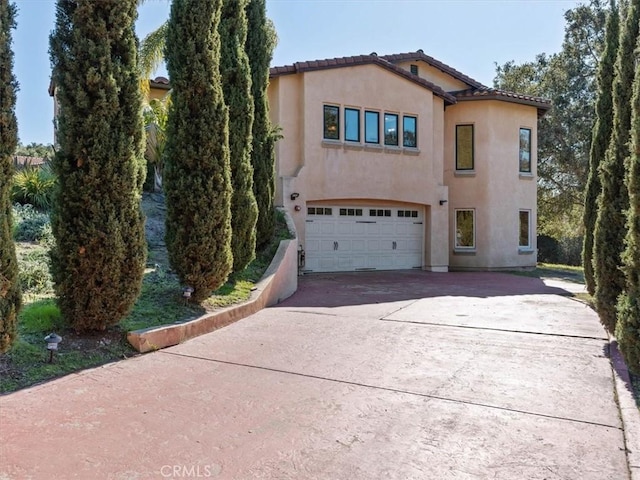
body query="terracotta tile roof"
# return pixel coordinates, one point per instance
(420, 55)
(373, 59)
(161, 83)
(21, 161)
(487, 93)
(477, 90)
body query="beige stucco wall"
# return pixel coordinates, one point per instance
(435, 76)
(338, 172)
(496, 189)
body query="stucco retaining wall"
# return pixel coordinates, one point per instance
(280, 281)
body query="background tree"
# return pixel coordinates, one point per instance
(35, 150)
(613, 201)
(99, 255)
(600, 140)
(197, 184)
(236, 86)
(567, 78)
(261, 41)
(10, 298)
(628, 326)
(155, 114)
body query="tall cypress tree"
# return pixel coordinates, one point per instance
(628, 327)
(600, 139)
(261, 41)
(100, 252)
(196, 180)
(613, 200)
(236, 86)
(10, 299)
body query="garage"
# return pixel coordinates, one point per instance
(355, 238)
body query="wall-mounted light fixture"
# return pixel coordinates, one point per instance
(294, 195)
(442, 202)
(297, 208)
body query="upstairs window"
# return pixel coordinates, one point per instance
(391, 129)
(409, 132)
(464, 147)
(371, 127)
(331, 122)
(525, 150)
(414, 69)
(351, 125)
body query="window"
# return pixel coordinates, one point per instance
(351, 212)
(371, 127)
(408, 213)
(379, 213)
(525, 229)
(352, 125)
(465, 229)
(319, 211)
(390, 129)
(525, 150)
(464, 147)
(414, 69)
(331, 122)
(409, 138)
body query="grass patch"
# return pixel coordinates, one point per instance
(160, 303)
(550, 270)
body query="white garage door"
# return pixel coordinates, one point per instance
(347, 238)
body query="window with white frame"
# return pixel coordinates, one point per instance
(524, 156)
(524, 240)
(465, 233)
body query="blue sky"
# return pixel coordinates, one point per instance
(469, 35)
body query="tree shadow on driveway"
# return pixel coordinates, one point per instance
(360, 288)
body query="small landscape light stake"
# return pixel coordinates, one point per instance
(186, 294)
(52, 344)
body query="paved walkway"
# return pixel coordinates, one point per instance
(409, 375)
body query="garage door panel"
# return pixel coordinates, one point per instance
(363, 242)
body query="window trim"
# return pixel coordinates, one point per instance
(396, 116)
(528, 246)
(377, 116)
(473, 148)
(415, 131)
(357, 110)
(325, 108)
(520, 169)
(464, 248)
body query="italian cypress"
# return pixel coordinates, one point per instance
(613, 200)
(628, 327)
(236, 86)
(197, 183)
(99, 255)
(261, 41)
(600, 140)
(10, 298)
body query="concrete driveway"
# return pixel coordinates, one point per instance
(397, 375)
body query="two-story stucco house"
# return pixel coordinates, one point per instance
(401, 162)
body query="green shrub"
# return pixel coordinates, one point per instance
(41, 316)
(34, 276)
(31, 225)
(34, 185)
